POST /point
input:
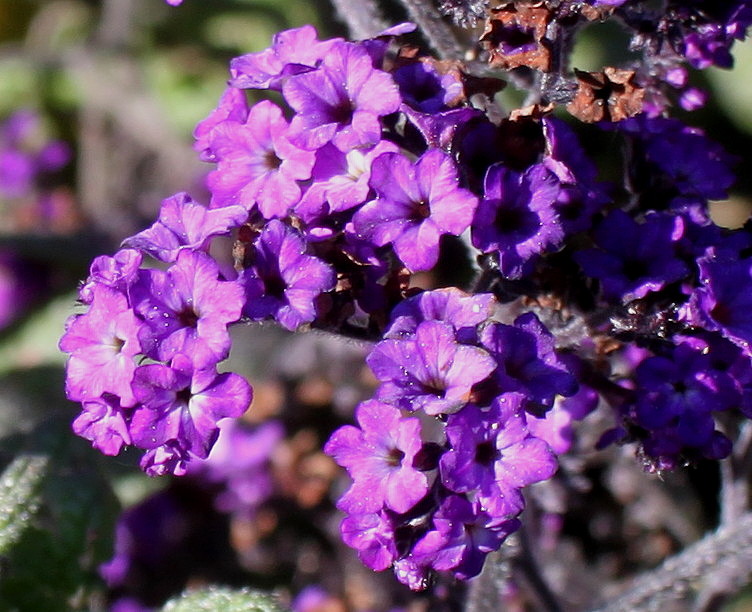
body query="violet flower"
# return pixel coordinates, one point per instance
(187, 310)
(517, 217)
(415, 205)
(430, 370)
(492, 455)
(284, 282)
(292, 52)
(258, 166)
(185, 224)
(102, 344)
(527, 362)
(341, 101)
(180, 404)
(379, 458)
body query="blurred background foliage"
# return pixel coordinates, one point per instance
(123, 82)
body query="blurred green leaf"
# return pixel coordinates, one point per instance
(19, 497)
(218, 599)
(53, 564)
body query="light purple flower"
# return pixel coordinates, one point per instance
(180, 404)
(463, 311)
(104, 422)
(341, 101)
(232, 107)
(372, 535)
(185, 224)
(292, 52)
(257, 164)
(379, 458)
(340, 180)
(430, 370)
(415, 205)
(102, 344)
(187, 309)
(284, 282)
(118, 272)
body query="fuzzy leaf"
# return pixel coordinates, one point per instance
(220, 599)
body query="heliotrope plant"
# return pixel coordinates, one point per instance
(378, 158)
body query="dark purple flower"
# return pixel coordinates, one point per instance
(492, 455)
(341, 101)
(185, 224)
(527, 362)
(634, 258)
(102, 344)
(379, 458)
(284, 282)
(723, 300)
(257, 164)
(187, 309)
(517, 217)
(430, 370)
(426, 90)
(181, 405)
(292, 52)
(415, 205)
(462, 538)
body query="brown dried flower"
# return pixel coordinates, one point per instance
(611, 95)
(515, 36)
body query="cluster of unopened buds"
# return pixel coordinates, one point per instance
(587, 295)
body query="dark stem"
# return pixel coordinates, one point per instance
(362, 17)
(436, 31)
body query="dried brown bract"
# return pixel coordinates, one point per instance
(515, 36)
(611, 95)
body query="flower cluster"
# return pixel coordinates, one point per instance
(370, 163)
(444, 497)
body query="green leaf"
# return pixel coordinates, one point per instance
(19, 496)
(220, 599)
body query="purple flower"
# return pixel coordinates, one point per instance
(430, 370)
(517, 217)
(292, 52)
(232, 107)
(415, 205)
(463, 311)
(527, 362)
(723, 300)
(258, 165)
(118, 272)
(372, 535)
(185, 224)
(379, 458)
(238, 463)
(634, 258)
(341, 101)
(284, 281)
(180, 405)
(493, 456)
(464, 535)
(187, 309)
(102, 344)
(104, 422)
(340, 180)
